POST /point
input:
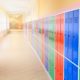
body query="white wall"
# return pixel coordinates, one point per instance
(4, 22)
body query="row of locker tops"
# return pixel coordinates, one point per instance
(69, 19)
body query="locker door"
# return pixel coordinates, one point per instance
(51, 47)
(58, 57)
(66, 46)
(43, 43)
(56, 47)
(39, 39)
(36, 38)
(75, 40)
(46, 44)
(79, 47)
(70, 55)
(33, 34)
(61, 43)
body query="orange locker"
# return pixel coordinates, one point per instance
(59, 48)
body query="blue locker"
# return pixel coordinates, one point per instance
(71, 49)
(66, 42)
(70, 35)
(75, 43)
(46, 43)
(70, 55)
(39, 34)
(75, 36)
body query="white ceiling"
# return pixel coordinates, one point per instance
(28, 8)
(18, 6)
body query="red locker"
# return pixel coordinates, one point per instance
(60, 43)
(56, 47)
(43, 43)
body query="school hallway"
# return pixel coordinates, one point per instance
(39, 39)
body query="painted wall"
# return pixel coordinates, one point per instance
(48, 7)
(4, 23)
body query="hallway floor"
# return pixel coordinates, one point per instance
(18, 61)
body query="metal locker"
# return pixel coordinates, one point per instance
(59, 56)
(39, 39)
(70, 55)
(70, 35)
(57, 45)
(35, 38)
(75, 40)
(33, 34)
(51, 47)
(36, 26)
(79, 48)
(42, 41)
(46, 43)
(61, 46)
(75, 36)
(66, 42)
(60, 27)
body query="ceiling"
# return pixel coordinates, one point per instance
(27, 8)
(18, 6)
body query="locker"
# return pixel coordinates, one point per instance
(33, 34)
(57, 37)
(36, 33)
(70, 33)
(35, 38)
(56, 47)
(46, 42)
(39, 39)
(75, 40)
(43, 43)
(51, 47)
(79, 46)
(66, 46)
(70, 54)
(61, 46)
(75, 36)
(46, 63)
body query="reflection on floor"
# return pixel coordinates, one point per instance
(17, 60)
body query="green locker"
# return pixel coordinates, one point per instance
(51, 47)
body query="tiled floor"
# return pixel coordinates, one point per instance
(17, 60)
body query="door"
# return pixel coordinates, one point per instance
(66, 42)
(75, 40)
(46, 43)
(42, 41)
(57, 47)
(61, 46)
(51, 46)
